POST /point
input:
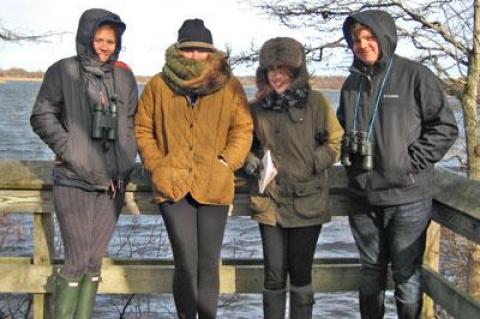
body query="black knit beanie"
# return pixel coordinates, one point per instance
(194, 34)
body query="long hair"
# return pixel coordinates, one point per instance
(216, 70)
(265, 88)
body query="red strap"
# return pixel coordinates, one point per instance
(122, 65)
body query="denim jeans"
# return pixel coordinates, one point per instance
(396, 235)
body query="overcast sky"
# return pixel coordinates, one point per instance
(151, 27)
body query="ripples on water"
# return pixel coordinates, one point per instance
(145, 236)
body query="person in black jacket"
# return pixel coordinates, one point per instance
(84, 112)
(398, 124)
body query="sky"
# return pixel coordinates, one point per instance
(152, 26)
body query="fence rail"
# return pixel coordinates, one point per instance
(26, 188)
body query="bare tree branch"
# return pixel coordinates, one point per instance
(8, 35)
(439, 31)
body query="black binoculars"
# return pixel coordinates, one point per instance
(105, 121)
(357, 142)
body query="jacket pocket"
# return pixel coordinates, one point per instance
(221, 185)
(263, 209)
(311, 197)
(161, 177)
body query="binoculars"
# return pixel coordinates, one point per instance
(105, 121)
(357, 143)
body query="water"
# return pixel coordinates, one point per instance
(145, 236)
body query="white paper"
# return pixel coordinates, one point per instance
(268, 173)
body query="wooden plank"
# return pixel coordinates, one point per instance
(432, 259)
(43, 255)
(456, 302)
(156, 277)
(457, 203)
(15, 260)
(26, 202)
(458, 221)
(26, 278)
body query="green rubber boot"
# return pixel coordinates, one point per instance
(88, 292)
(67, 291)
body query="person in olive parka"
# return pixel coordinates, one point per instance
(398, 124)
(84, 112)
(299, 127)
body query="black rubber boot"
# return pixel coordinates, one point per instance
(372, 306)
(67, 292)
(409, 310)
(301, 302)
(274, 303)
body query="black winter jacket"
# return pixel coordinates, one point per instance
(62, 114)
(414, 127)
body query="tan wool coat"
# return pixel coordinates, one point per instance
(193, 148)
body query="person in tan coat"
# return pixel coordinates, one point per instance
(298, 126)
(194, 129)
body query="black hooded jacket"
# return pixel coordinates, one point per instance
(414, 127)
(62, 113)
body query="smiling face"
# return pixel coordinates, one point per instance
(279, 78)
(105, 42)
(365, 46)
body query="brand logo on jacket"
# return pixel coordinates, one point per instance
(391, 96)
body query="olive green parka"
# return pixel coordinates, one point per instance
(304, 141)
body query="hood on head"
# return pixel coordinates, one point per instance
(88, 25)
(382, 25)
(282, 51)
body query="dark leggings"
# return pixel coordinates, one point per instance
(87, 221)
(288, 251)
(196, 233)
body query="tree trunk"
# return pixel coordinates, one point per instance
(472, 136)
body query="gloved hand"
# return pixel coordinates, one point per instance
(253, 164)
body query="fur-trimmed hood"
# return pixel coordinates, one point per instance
(282, 51)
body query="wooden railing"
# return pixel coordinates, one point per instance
(25, 187)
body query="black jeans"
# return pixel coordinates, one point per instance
(396, 235)
(288, 251)
(196, 233)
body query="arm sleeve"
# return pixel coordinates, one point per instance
(145, 127)
(439, 128)
(328, 152)
(239, 139)
(46, 118)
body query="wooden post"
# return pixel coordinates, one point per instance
(43, 255)
(432, 259)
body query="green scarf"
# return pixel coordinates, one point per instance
(187, 76)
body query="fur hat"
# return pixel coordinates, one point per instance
(282, 51)
(194, 34)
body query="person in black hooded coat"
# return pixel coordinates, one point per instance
(84, 112)
(398, 124)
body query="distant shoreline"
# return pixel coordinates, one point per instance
(4, 79)
(245, 80)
